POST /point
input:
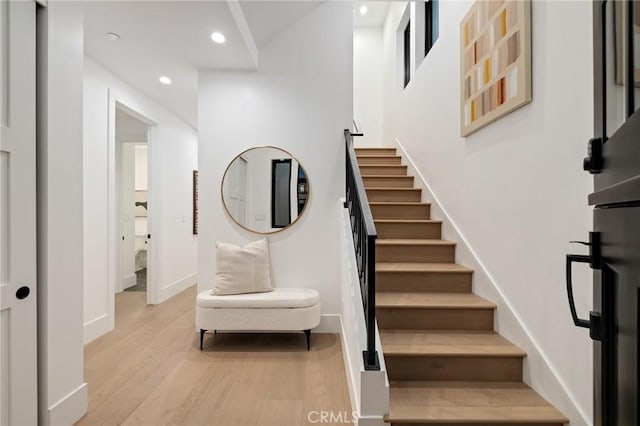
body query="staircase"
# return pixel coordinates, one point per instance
(445, 363)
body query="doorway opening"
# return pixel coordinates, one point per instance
(132, 206)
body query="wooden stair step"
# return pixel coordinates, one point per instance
(384, 181)
(405, 250)
(448, 301)
(429, 355)
(375, 151)
(433, 311)
(378, 159)
(394, 194)
(423, 277)
(469, 403)
(447, 344)
(400, 210)
(409, 228)
(384, 169)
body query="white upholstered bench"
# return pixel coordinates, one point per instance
(283, 309)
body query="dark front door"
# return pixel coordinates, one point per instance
(614, 161)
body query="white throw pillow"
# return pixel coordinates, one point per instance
(242, 270)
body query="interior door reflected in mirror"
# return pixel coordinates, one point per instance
(265, 189)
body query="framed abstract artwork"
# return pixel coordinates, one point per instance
(495, 61)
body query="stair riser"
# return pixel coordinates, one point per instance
(435, 319)
(423, 282)
(388, 182)
(401, 212)
(415, 253)
(409, 230)
(379, 160)
(375, 151)
(383, 171)
(439, 368)
(465, 423)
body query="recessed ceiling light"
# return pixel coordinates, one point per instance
(165, 80)
(363, 10)
(113, 36)
(218, 37)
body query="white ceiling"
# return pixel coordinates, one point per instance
(164, 38)
(376, 13)
(172, 38)
(268, 18)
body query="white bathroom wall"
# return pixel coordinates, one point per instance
(172, 158)
(513, 194)
(368, 84)
(142, 167)
(300, 99)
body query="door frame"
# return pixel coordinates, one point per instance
(116, 101)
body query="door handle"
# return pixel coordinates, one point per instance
(23, 292)
(594, 323)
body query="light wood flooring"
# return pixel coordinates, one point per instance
(150, 371)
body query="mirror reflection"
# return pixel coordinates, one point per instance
(265, 189)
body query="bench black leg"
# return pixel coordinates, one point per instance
(308, 334)
(202, 331)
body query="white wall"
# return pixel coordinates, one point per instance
(62, 393)
(301, 100)
(514, 191)
(367, 84)
(172, 157)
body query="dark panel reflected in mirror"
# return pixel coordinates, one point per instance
(265, 189)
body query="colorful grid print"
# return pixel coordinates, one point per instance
(495, 41)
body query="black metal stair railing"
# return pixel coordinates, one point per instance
(364, 235)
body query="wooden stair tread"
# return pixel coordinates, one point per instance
(398, 203)
(402, 300)
(393, 189)
(453, 268)
(375, 156)
(384, 165)
(413, 242)
(408, 221)
(403, 177)
(415, 342)
(469, 402)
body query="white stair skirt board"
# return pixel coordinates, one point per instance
(368, 390)
(96, 328)
(71, 408)
(538, 372)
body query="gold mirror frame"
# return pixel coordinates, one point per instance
(224, 204)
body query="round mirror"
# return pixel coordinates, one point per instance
(265, 189)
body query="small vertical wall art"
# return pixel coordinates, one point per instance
(195, 202)
(495, 61)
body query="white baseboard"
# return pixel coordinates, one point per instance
(129, 281)
(96, 328)
(69, 409)
(176, 287)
